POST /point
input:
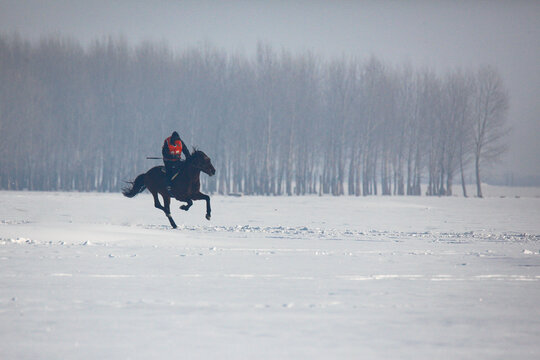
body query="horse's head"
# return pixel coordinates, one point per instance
(201, 161)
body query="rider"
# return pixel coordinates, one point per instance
(172, 150)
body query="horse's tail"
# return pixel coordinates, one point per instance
(136, 187)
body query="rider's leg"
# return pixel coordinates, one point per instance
(169, 173)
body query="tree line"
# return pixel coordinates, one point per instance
(85, 118)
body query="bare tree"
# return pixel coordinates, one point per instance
(274, 124)
(489, 120)
(456, 114)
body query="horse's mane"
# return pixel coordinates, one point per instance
(196, 152)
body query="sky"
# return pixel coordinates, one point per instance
(440, 35)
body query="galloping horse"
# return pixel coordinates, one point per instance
(185, 185)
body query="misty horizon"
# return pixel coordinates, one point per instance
(440, 36)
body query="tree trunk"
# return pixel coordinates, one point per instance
(462, 177)
(478, 183)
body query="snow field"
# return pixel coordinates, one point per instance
(85, 276)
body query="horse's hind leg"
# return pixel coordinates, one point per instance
(167, 203)
(166, 209)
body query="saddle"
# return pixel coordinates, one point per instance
(175, 174)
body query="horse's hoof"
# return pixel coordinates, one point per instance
(184, 207)
(207, 216)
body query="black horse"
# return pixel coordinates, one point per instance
(185, 185)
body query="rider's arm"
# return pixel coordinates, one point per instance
(185, 149)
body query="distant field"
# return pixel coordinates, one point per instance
(492, 190)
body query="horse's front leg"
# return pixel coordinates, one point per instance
(186, 207)
(201, 196)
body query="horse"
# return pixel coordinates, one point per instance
(185, 184)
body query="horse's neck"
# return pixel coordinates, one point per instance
(192, 172)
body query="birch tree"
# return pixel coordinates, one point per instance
(489, 121)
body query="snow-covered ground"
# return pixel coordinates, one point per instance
(100, 276)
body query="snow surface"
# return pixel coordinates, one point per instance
(100, 276)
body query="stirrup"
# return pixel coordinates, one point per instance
(169, 190)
